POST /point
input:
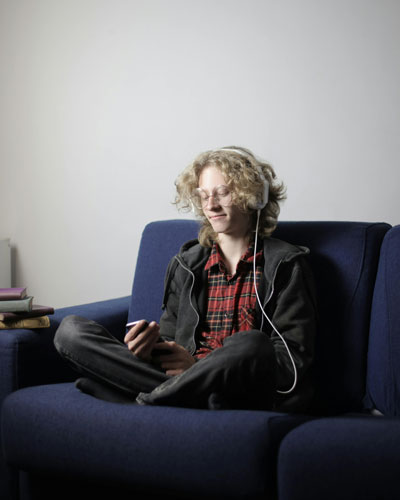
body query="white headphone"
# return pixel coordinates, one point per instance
(266, 316)
(259, 206)
(255, 206)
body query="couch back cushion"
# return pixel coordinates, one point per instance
(344, 259)
(383, 375)
(160, 241)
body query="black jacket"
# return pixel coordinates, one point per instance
(287, 293)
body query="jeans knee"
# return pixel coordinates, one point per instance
(251, 344)
(67, 334)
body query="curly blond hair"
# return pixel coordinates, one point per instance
(241, 170)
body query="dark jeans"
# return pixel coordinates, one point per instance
(240, 374)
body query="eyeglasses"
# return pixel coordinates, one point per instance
(221, 195)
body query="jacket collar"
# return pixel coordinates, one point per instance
(194, 256)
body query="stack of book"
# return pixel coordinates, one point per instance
(18, 311)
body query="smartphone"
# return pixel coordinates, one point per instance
(155, 351)
(133, 323)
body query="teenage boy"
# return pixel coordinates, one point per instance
(239, 319)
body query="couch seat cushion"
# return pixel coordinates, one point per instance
(58, 430)
(343, 458)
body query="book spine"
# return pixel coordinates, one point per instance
(41, 322)
(22, 305)
(12, 293)
(36, 312)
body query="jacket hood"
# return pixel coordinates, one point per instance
(193, 255)
(277, 251)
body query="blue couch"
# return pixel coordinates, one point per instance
(58, 442)
(353, 457)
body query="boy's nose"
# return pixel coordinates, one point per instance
(212, 201)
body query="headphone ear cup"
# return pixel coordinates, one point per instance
(266, 192)
(264, 201)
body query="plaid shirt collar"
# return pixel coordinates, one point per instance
(216, 258)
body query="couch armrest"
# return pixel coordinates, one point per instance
(28, 357)
(112, 314)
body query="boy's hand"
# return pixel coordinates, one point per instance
(141, 339)
(176, 359)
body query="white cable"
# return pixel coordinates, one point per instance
(265, 314)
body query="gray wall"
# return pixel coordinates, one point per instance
(103, 103)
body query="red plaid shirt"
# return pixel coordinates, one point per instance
(231, 299)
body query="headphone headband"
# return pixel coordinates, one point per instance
(264, 201)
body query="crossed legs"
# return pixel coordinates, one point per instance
(240, 374)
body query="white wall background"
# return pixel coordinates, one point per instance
(104, 102)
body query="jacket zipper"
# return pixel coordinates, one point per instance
(190, 298)
(271, 294)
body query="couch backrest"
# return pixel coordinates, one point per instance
(344, 259)
(383, 373)
(160, 241)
